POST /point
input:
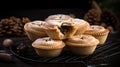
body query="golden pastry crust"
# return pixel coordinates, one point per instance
(82, 45)
(97, 30)
(35, 26)
(47, 43)
(82, 26)
(54, 22)
(35, 29)
(82, 41)
(58, 17)
(54, 32)
(60, 29)
(47, 47)
(69, 28)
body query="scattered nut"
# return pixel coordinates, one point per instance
(7, 42)
(5, 57)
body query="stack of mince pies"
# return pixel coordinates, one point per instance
(58, 31)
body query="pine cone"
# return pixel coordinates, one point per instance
(110, 19)
(13, 26)
(93, 16)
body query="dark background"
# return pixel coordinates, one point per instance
(39, 10)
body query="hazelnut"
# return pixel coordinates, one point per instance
(7, 42)
(5, 57)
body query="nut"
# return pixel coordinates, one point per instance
(5, 57)
(7, 42)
